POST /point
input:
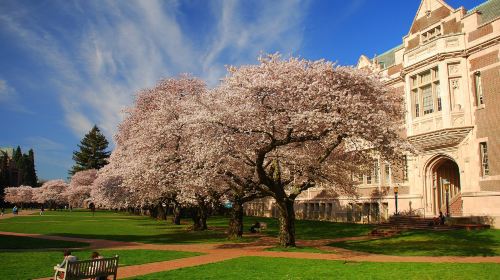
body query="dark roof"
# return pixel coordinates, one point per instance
(388, 58)
(490, 10)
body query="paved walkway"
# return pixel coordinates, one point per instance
(220, 252)
(21, 213)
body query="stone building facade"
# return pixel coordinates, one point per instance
(448, 70)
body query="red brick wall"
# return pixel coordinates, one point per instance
(488, 118)
(480, 32)
(456, 207)
(413, 43)
(483, 61)
(394, 69)
(425, 21)
(451, 26)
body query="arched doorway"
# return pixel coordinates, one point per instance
(444, 169)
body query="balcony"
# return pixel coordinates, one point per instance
(440, 45)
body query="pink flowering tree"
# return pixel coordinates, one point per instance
(154, 158)
(19, 195)
(299, 123)
(52, 192)
(80, 187)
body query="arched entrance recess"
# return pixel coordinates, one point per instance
(439, 170)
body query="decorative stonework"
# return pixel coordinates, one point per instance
(456, 103)
(452, 43)
(440, 138)
(454, 69)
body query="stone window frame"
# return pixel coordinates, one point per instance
(478, 89)
(429, 34)
(417, 87)
(484, 160)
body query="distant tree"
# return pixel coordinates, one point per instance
(4, 173)
(17, 156)
(92, 152)
(29, 173)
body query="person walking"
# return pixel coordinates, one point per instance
(42, 209)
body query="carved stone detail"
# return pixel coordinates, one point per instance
(456, 98)
(454, 69)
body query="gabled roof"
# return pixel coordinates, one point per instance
(428, 8)
(489, 10)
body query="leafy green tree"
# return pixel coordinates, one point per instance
(92, 152)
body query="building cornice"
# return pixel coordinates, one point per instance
(442, 56)
(440, 138)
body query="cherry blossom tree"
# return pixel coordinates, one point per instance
(154, 157)
(19, 195)
(52, 193)
(80, 187)
(300, 123)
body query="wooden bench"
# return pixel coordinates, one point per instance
(87, 269)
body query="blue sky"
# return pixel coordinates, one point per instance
(66, 65)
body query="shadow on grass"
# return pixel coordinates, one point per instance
(181, 237)
(431, 243)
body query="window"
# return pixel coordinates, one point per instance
(368, 179)
(431, 34)
(438, 96)
(427, 100)
(405, 168)
(387, 174)
(479, 88)
(426, 95)
(375, 172)
(485, 168)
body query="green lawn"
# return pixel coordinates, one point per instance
(282, 268)
(432, 243)
(124, 227)
(19, 242)
(29, 265)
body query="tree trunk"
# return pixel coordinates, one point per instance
(162, 214)
(203, 217)
(195, 215)
(176, 214)
(236, 220)
(287, 223)
(153, 212)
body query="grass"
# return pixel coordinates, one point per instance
(283, 268)
(21, 242)
(432, 243)
(123, 227)
(304, 249)
(313, 230)
(29, 265)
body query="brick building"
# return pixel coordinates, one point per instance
(448, 70)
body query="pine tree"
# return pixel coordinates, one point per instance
(17, 157)
(92, 152)
(29, 172)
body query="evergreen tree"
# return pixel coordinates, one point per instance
(29, 172)
(17, 157)
(92, 152)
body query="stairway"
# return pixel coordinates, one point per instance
(414, 222)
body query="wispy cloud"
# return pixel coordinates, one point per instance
(9, 99)
(115, 48)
